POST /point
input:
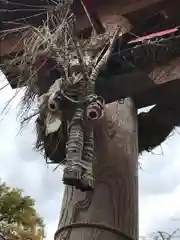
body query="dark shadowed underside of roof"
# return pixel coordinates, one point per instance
(128, 70)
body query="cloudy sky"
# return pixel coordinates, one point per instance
(21, 167)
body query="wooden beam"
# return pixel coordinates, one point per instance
(114, 201)
(136, 16)
(132, 84)
(123, 85)
(138, 83)
(13, 43)
(109, 13)
(145, 89)
(18, 9)
(166, 73)
(157, 74)
(161, 94)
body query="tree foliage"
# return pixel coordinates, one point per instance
(161, 235)
(18, 217)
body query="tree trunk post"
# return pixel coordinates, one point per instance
(114, 200)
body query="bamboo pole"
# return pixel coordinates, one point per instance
(114, 201)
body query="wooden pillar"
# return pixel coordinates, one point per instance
(114, 201)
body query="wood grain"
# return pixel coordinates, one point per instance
(114, 200)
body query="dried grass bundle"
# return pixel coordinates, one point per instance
(63, 134)
(55, 61)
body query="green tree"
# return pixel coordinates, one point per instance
(18, 217)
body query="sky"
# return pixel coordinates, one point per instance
(22, 167)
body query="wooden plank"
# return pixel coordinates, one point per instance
(166, 73)
(114, 201)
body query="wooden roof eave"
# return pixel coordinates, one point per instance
(109, 12)
(145, 83)
(17, 9)
(143, 87)
(144, 90)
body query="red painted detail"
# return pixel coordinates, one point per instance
(153, 35)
